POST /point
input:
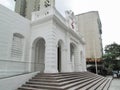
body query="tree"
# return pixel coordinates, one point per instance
(111, 56)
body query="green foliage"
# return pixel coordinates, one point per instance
(112, 53)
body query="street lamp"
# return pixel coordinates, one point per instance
(95, 62)
(94, 44)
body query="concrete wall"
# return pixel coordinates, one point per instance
(11, 23)
(13, 83)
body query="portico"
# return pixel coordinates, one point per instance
(55, 45)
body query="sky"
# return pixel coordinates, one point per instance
(108, 11)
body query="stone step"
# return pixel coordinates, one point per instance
(78, 80)
(58, 78)
(62, 83)
(44, 83)
(66, 76)
(29, 88)
(73, 78)
(97, 85)
(61, 78)
(44, 80)
(80, 83)
(91, 84)
(63, 74)
(108, 84)
(102, 85)
(67, 81)
(43, 87)
(46, 86)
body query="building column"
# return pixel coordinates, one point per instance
(68, 59)
(77, 61)
(51, 54)
(64, 60)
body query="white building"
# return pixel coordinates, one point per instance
(49, 43)
(89, 24)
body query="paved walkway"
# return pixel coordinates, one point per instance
(115, 84)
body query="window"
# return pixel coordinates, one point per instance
(17, 46)
(36, 5)
(47, 3)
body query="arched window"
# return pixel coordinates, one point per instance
(17, 46)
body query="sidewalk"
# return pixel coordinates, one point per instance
(115, 84)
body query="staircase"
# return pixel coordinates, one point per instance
(67, 81)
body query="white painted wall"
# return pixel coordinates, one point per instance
(11, 23)
(13, 83)
(51, 27)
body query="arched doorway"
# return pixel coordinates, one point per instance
(59, 56)
(39, 54)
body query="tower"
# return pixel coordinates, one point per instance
(20, 7)
(26, 7)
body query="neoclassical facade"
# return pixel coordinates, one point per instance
(48, 43)
(56, 47)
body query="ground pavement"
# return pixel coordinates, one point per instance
(115, 84)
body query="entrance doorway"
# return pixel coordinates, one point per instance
(59, 56)
(39, 54)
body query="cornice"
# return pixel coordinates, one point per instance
(60, 20)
